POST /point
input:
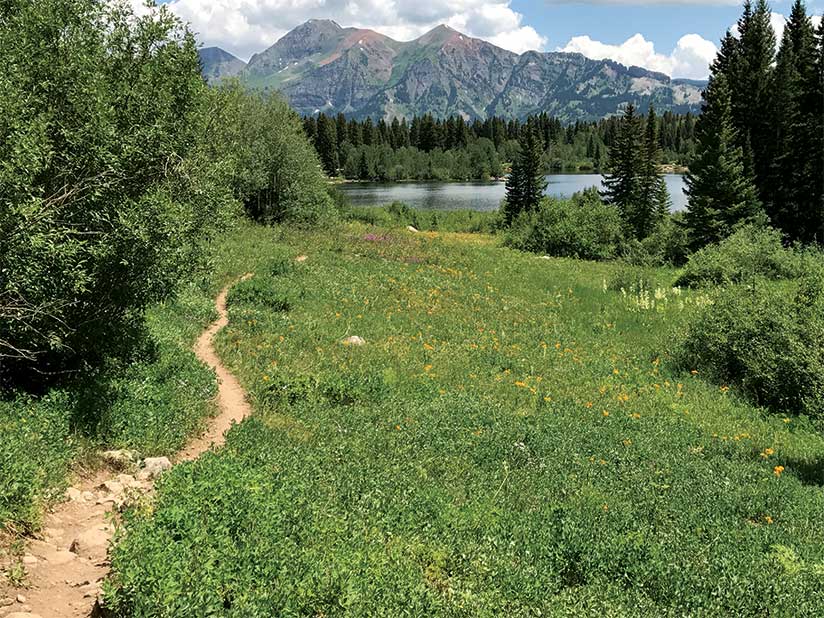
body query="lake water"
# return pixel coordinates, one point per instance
(483, 196)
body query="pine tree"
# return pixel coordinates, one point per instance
(799, 115)
(653, 200)
(327, 144)
(364, 173)
(526, 185)
(622, 185)
(750, 90)
(721, 193)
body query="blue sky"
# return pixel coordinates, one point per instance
(676, 37)
(663, 24)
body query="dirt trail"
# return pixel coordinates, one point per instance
(67, 565)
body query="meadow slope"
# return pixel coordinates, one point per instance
(511, 440)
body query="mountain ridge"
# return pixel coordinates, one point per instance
(320, 66)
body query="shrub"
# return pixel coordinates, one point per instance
(765, 339)
(273, 169)
(750, 252)
(667, 245)
(105, 199)
(582, 227)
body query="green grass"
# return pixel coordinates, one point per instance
(511, 441)
(152, 403)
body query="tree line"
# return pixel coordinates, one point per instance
(117, 165)
(760, 138)
(759, 144)
(429, 148)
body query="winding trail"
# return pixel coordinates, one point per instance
(64, 569)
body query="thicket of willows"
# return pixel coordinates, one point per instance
(117, 164)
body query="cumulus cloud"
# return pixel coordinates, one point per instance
(690, 58)
(244, 27)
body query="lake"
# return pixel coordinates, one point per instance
(482, 196)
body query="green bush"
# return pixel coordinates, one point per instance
(765, 338)
(105, 195)
(582, 227)
(750, 252)
(667, 245)
(272, 168)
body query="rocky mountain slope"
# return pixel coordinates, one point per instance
(320, 66)
(219, 64)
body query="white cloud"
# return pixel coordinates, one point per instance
(244, 27)
(690, 58)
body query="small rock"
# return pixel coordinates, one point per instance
(96, 538)
(412, 229)
(113, 487)
(5, 602)
(74, 494)
(155, 466)
(301, 258)
(127, 480)
(546, 257)
(89, 496)
(354, 340)
(29, 559)
(121, 458)
(144, 476)
(21, 598)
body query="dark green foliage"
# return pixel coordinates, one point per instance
(666, 245)
(582, 227)
(750, 88)
(453, 149)
(526, 184)
(749, 253)
(622, 182)
(795, 190)
(765, 340)
(654, 201)
(105, 197)
(327, 144)
(777, 112)
(721, 194)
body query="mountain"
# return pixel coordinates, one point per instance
(320, 66)
(218, 64)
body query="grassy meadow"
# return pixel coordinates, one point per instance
(513, 439)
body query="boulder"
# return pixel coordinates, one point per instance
(155, 466)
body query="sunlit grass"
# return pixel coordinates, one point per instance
(512, 439)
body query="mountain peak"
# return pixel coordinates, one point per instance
(439, 35)
(323, 23)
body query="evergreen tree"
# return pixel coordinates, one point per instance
(795, 184)
(327, 144)
(622, 182)
(653, 202)
(364, 173)
(526, 185)
(721, 193)
(750, 90)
